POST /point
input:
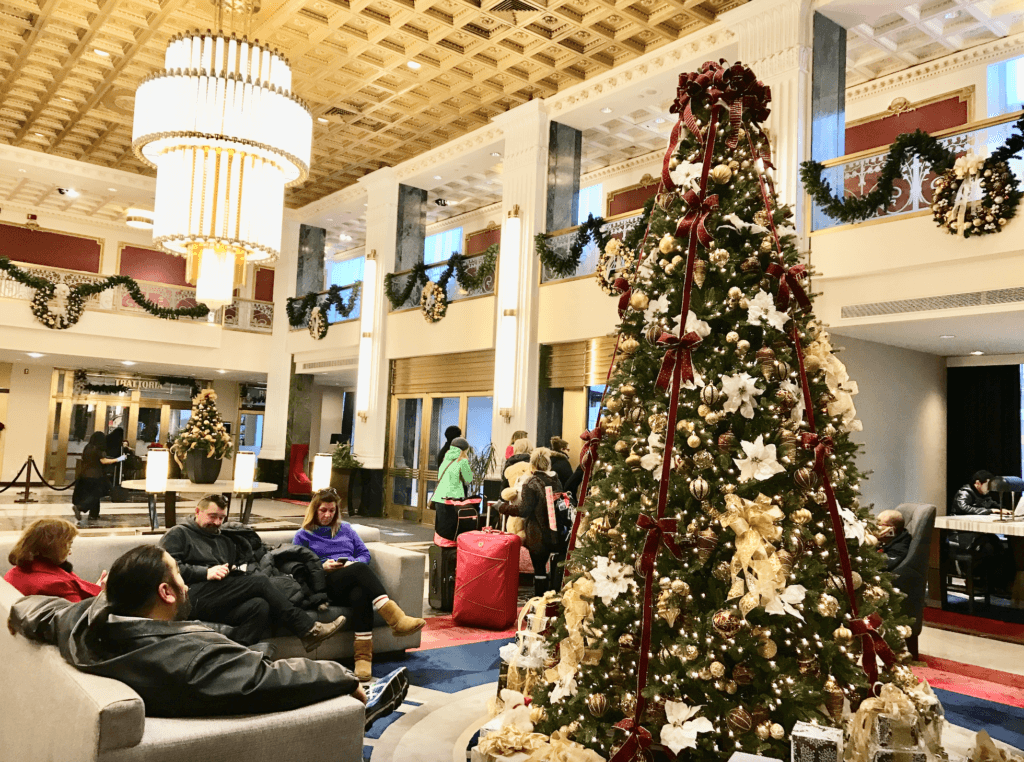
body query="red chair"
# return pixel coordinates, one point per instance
(298, 482)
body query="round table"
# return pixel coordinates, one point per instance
(186, 487)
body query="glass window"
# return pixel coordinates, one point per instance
(440, 246)
(444, 413)
(594, 394)
(590, 203)
(407, 434)
(250, 432)
(405, 491)
(1005, 86)
(478, 422)
(148, 429)
(343, 273)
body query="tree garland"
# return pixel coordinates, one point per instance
(563, 267)
(73, 297)
(417, 276)
(917, 143)
(300, 307)
(434, 302)
(190, 382)
(82, 385)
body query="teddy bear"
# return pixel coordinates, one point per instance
(517, 475)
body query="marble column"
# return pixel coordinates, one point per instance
(565, 155)
(382, 228)
(828, 102)
(775, 39)
(309, 274)
(412, 226)
(524, 189)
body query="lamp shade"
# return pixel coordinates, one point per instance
(321, 471)
(245, 470)
(158, 463)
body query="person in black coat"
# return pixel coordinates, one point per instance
(894, 539)
(452, 432)
(992, 557)
(91, 484)
(541, 538)
(560, 460)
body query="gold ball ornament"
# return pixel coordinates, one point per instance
(703, 460)
(628, 704)
(732, 337)
(537, 714)
(807, 479)
(679, 587)
(801, 516)
(843, 635)
(742, 347)
(658, 422)
(731, 687)
(875, 594)
(721, 174)
(627, 641)
(633, 461)
(764, 731)
(703, 410)
(628, 391)
(828, 605)
(761, 218)
(739, 720)
(699, 488)
(723, 570)
(786, 560)
(734, 293)
(768, 649)
(726, 623)
(597, 703)
(717, 669)
(639, 301)
(904, 631)
(820, 540)
(622, 447)
(710, 395)
(667, 244)
(693, 441)
(691, 652)
(707, 541)
(870, 540)
(719, 257)
(629, 345)
(778, 732)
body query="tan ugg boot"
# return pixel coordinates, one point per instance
(400, 623)
(364, 660)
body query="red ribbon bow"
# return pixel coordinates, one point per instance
(639, 738)
(789, 281)
(678, 350)
(874, 644)
(658, 531)
(622, 286)
(822, 446)
(697, 217)
(590, 441)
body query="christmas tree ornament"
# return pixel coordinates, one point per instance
(742, 347)
(703, 410)
(700, 272)
(537, 714)
(750, 265)
(658, 423)
(743, 674)
(732, 337)
(703, 460)
(834, 698)
(627, 641)
(786, 561)
(820, 540)
(843, 635)
(627, 703)
(721, 174)
(710, 395)
(727, 624)
(707, 541)
(807, 479)
(622, 447)
(665, 583)
(719, 257)
(761, 218)
(717, 669)
(693, 441)
(679, 587)
(778, 732)
(597, 703)
(667, 244)
(699, 487)
(723, 570)
(691, 652)
(633, 461)
(739, 721)
(727, 441)
(875, 594)
(828, 606)
(628, 391)
(801, 516)
(764, 731)
(768, 649)
(808, 665)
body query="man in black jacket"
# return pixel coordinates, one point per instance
(894, 539)
(224, 589)
(992, 557)
(133, 632)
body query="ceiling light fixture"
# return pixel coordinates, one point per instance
(437, 177)
(141, 219)
(977, 353)
(226, 136)
(414, 65)
(606, 110)
(222, 372)
(127, 362)
(35, 355)
(495, 154)
(952, 15)
(659, 120)
(112, 190)
(322, 120)
(947, 336)
(71, 193)
(102, 53)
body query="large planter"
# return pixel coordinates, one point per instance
(201, 469)
(340, 480)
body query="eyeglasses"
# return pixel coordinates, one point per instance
(327, 494)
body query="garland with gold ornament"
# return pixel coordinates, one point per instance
(311, 309)
(70, 300)
(976, 197)
(417, 278)
(433, 302)
(565, 266)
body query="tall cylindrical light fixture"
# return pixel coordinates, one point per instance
(321, 471)
(508, 302)
(367, 307)
(158, 464)
(245, 470)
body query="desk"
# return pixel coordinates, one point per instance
(986, 524)
(186, 487)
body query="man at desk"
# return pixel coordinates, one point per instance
(991, 553)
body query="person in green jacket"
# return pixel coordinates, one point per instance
(453, 477)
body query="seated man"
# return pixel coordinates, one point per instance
(991, 554)
(222, 591)
(894, 539)
(134, 633)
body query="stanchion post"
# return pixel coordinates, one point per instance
(27, 497)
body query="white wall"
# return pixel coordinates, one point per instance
(28, 411)
(902, 403)
(332, 408)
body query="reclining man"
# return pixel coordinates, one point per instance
(223, 591)
(135, 633)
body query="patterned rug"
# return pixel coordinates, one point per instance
(1009, 631)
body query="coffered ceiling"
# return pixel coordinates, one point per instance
(386, 79)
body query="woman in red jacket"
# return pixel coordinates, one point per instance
(40, 563)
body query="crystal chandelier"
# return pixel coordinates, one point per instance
(226, 136)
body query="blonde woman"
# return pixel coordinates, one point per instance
(512, 442)
(521, 450)
(350, 581)
(40, 563)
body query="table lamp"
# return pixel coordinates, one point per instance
(158, 463)
(245, 470)
(321, 471)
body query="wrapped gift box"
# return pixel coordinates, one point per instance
(815, 743)
(890, 732)
(899, 755)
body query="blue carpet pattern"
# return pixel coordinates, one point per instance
(1005, 723)
(449, 670)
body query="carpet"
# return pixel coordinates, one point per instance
(974, 625)
(442, 632)
(450, 669)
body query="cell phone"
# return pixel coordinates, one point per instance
(342, 560)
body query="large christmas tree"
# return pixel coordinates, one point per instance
(723, 585)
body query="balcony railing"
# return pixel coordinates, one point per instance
(241, 315)
(455, 292)
(333, 316)
(858, 173)
(561, 240)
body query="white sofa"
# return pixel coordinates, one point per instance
(54, 713)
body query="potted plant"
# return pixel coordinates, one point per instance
(343, 462)
(204, 442)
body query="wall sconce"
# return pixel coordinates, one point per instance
(366, 316)
(321, 471)
(158, 463)
(508, 302)
(245, 470)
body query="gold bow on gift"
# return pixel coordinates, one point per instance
(510, 740)
(538, 607)
(891, 701)
(561, 749)
(753, 522)
(986, 751)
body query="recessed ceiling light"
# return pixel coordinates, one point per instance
(127, 362)
(495, 154)
(977, 352)
(72, 193)
(322, 120)
(659, 120)
(414, 65)
(39, 134)
(222, 372)
(606, 110)
(22, 171)
(952, 15)
(947, 336)
(102, 53)
(63, 98)
(112, 190)
(437, 177)
(35, 355)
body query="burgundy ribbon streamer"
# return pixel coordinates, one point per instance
(697, 216)
(622, 286)
(639, 738)
(659, 532)
(588, 458)
(822, 446)
(874, 644)
(678, 352)
(790, 280)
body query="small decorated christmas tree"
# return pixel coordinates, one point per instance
(723, 584)
(205, 433)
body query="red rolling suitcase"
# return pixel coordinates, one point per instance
(487, 579)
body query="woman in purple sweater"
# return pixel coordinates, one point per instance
(350, 582)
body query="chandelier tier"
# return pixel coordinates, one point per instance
(226, 136)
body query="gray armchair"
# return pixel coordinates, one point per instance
(911, 575)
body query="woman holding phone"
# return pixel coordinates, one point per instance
(350, 581)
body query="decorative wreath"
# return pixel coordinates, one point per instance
(614, 258)
(433, 302)
(317, 323)
(67, 308)
(977, 196)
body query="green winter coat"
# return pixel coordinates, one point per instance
(456, 476)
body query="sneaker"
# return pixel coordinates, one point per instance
(386, 695)
(78, 512)
(320, 632)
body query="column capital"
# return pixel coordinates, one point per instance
(378, 180)
(774, 36)
(521, 116)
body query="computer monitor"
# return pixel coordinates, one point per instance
(337, 439)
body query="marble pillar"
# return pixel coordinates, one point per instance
(565, 154)
(828, 102)
(309, 274)
(411, 226)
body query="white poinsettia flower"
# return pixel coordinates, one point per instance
(785, 230)
(656, 309)
(516, 713)
(652, 460)
(785, 601)
(760, 463)
(793, 388)
(686, 175)
(842, 407)
(741, 393)
(611, 579)
(733, 220)
(683, 726)
(645, 271)
(695, 325)
(566, 685)
(852, 526)
(762, 307)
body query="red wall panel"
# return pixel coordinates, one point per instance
(622, 201)
(263, 288)
(154, 266)
(477, 243)
(933, 117)
(41, 247)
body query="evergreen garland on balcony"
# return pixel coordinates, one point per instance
(72, 298)
(565, 266)
(417, 277)
(299, 308)
(909, 144)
